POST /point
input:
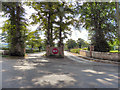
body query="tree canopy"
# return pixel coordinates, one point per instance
(99, 19)
(55, 18)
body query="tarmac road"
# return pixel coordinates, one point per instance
(37, 71)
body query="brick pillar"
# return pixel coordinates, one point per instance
(48, 50)
(91, 49)
(61, 50)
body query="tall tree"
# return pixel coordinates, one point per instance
(34, 40)
(53, 19)
(65, 15)
(98, 18)
(71, 44)
(16, 27)
(82, 43)
(45, 16)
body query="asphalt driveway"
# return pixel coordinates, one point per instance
(37, 71)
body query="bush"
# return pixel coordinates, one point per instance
(5, 48)
(85, 49)
(29, 51)
(75, 50)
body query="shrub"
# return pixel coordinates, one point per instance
(5, 48)
(85, 49)
(75, 50)
(29, 51)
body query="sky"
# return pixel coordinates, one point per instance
(75, 33)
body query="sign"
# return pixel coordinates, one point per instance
(55, 51)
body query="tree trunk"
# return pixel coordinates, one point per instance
(32, 47)
(60, 32)
(51, 36)
(17, 45)
(48, 31)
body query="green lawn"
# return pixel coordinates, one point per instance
(114, 51)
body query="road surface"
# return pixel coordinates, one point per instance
(37, 71)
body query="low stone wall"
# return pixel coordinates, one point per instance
(85, 53)
(100, 55)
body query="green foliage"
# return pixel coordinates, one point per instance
(71, 44)
(33, 51)
(75, 50)
(82, 43)
(85, 49)
(15, 27)
(113, 51)
(99, 19)
(114, 43)
(5, 48)
(34, 40)
(52, 20)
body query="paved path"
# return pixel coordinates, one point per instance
(37, 71)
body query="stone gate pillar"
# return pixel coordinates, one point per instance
(47, 50)
(91, 49)
(62, 50)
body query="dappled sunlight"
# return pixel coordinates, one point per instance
(40, 61)
(29, 64)
(25, 66)
(108, 79)
(45, 72)
(35, 55)
(102, 77)
(30, 57)
(58, 80)
(3, 70)
(18, 78)
(93, 71)
(23, 88)
(14, 78)
(113, 76)
(89, 75)
(104, 82)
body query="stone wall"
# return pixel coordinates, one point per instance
(100, 55)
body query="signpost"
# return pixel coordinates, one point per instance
(55, 51)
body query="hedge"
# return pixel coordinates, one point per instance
(77, 50)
